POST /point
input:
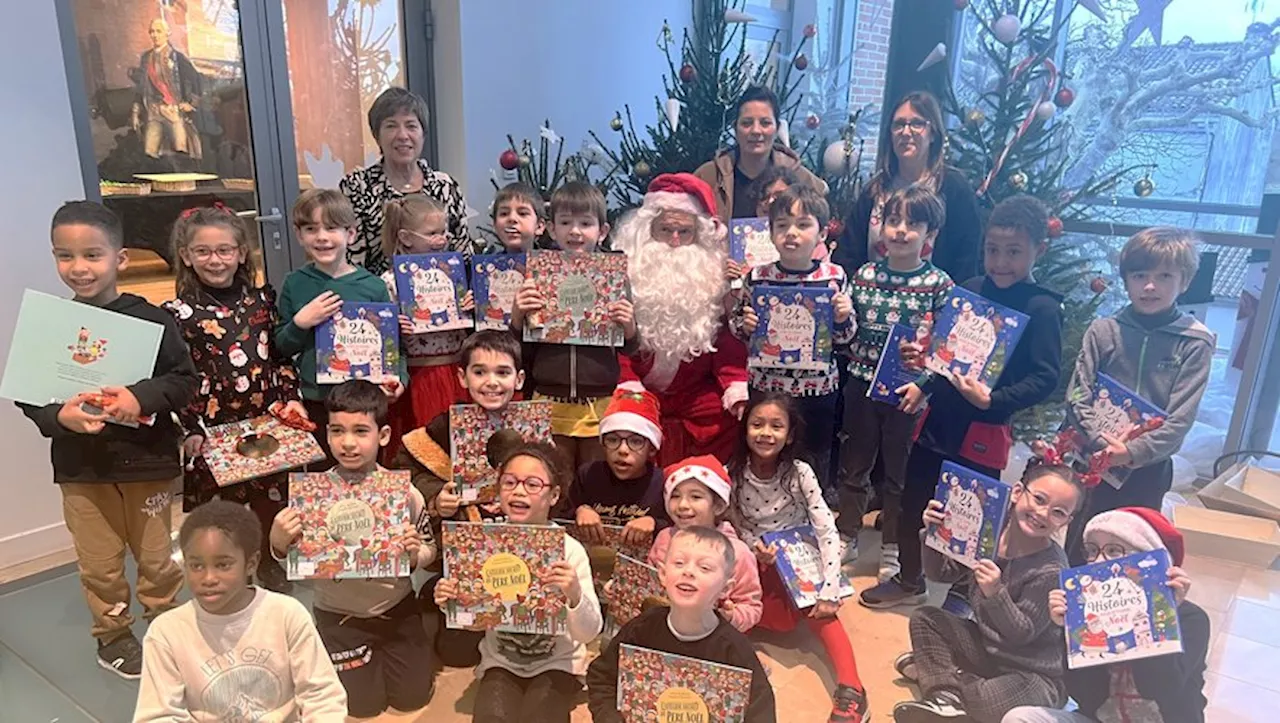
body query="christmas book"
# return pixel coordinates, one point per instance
(750, 242)
(974, 508)
(799, 564)
(1120, 609)
(362, 341)
(604, 555)
(794, 330)
(973, 337)
(430, 289)
(349, 530)
(635, 585)
(253, 448)
(500, 571)
(1120, 413)
(496, 278)
(474, 440)
(578, 289)
(892, 373)
(658, 686)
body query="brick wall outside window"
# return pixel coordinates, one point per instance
(870, 61)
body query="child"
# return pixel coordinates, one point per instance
(372, 628)
(234, 652)
(1154, 349)
(311, 295)
(115, 479)
(418, 224)
(902, 288)
(534, 672)
(1010, 654)
(698, 491)
(518, 217)
(697, 571)
(227, 320)
(578, 379)
(772, 491)
(798, 222)
(1164, 688)
(967, 423)
(626, 487)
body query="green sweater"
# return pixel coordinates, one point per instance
(300, 287)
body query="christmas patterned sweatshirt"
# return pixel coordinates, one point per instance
(797, 382)
(883, 297)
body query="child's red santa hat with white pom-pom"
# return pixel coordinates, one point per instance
(1140, 529)
(633, 410)
(705, 469)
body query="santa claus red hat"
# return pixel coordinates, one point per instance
(705, 469)
(633, 410)
(681, 192)
(1140, 529)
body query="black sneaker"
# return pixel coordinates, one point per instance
(894, 592)
(848, 705)
(940, 706)
(271, 576)
(906, 666)
(122, 656)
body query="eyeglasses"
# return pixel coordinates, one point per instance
(1057, 515)
(428, 236)
(916, 125)
(532, 485)
(1110, 551)
(226, 253)
(634, 441)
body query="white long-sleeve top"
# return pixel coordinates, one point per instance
(265, 662)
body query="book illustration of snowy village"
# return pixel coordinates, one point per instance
(362, 341)
(578, 289)
(496, 278)
(794, 329)
(658, 686)
(973, 337)
(430, 289)
(799, 564)
(499, 569)
(974, 508)
(349, 530)
(750, 242)
(471, 430)
(1120, 610)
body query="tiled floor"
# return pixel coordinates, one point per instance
(47, 671)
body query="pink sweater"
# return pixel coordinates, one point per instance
(744, 594)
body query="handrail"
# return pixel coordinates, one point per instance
(1214, 238)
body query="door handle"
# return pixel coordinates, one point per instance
(275, 216)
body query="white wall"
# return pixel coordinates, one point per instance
(41, 170)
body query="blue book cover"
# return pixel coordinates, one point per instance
(430, 289)
(1120, 609)
(362, 341)
(974, 337)
(794, 330)
(974, 507)
(750, 242)
(799, 564)
(891, 372)
(495, 279)
(1121, 413)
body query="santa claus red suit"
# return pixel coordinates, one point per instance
(676, 250)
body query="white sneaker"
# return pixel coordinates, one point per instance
(889, 565)
(849, 553)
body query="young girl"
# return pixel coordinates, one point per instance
(521, 673)
(227, 321)
(417, 224)
(773, 489)
(234, 652)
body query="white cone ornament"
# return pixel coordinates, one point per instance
(737, 16)
(1093, 7)
(1045, 110)
(935, 56)
(673, 113)
(837, 157)
(1006, 28)
(784, 132)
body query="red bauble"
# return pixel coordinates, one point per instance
(801, 62)
(810, 30)
(835, 227)
(1098, 285)
(1064, 97)
(1055, 227)
(510, 160)
(688, 73)
(812, 121)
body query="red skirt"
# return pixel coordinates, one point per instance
(432, 390)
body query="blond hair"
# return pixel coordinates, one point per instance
(1159, 246)
(405, 213)
(335, 209)
(184, 231)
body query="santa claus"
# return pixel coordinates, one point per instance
(676, 250)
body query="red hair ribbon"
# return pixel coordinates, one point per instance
(1067, 450)
(216, 205)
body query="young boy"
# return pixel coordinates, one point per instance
(579, 380)
(625, 488)
(798, 224)
(1164, 688)
(1156, 350)
(518, 217)
(694, 501)
(966, 423)
(372, 628)
(115, 479)
(902, 288)
(325, 224)
(1010, 654)
(695, 574)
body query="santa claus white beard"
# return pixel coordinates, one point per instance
(677, 294)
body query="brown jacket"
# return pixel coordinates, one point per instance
(718, 173)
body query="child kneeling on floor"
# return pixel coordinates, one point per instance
(1010, 653)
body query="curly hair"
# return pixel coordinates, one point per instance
(235, 521)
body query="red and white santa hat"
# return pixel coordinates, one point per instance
(705, 469)
(633, 410)
(681, 192)
(1140, 529)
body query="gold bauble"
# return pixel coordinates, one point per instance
(975, 117)
(641, 169)
(616, 123)
(1018, 181)
(1144, 187)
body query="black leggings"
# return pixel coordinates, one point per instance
(504, 697)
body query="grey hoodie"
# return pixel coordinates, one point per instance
(1168, 366)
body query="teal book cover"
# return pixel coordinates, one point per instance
(63, 347)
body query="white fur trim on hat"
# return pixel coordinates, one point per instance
(631, 422)
(1134, 531)
(734, 395)
(707, 476)
(666, 200)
